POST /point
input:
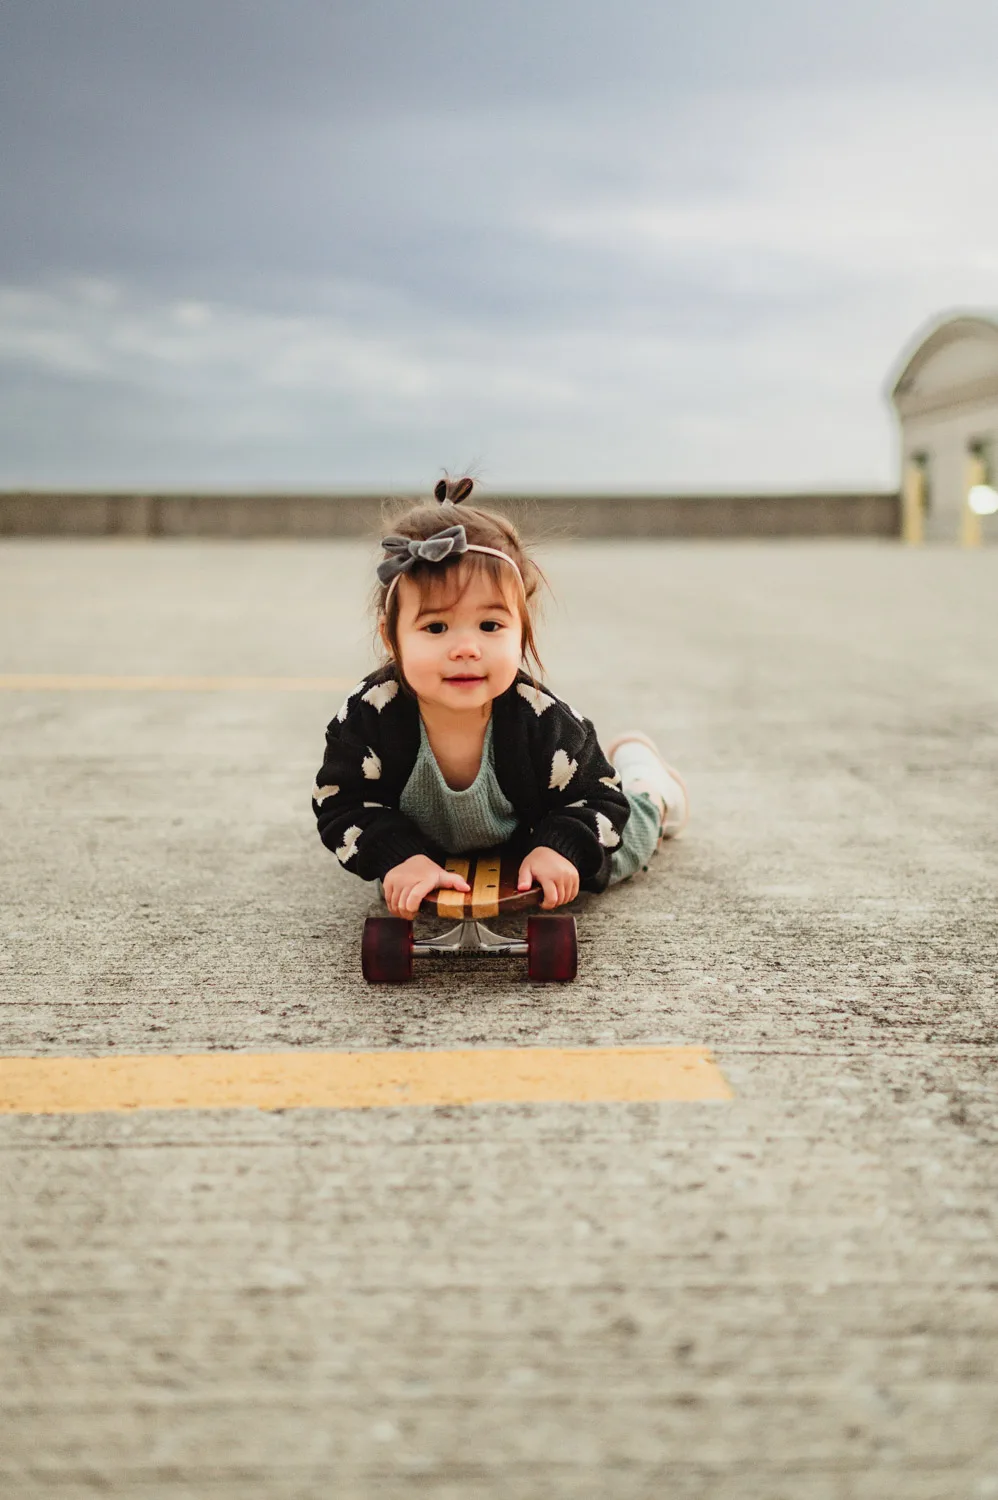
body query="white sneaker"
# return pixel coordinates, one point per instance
(639, 763)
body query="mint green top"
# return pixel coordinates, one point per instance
(481, 816)
(477, 818)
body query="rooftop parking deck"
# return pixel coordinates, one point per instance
(786, 1295)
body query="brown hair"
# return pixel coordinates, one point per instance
(483, 528)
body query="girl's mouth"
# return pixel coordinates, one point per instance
(464, 680)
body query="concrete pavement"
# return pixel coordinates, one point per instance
(791, 1296)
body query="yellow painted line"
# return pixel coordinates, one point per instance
(358, 1080)
(451, 903)
(88, 682)
(485, 891)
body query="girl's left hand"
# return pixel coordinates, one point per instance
(557, 876)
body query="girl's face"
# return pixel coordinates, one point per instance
(459, 652)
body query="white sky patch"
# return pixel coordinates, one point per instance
(874, 183)
(64, 329)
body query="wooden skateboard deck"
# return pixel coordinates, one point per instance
(492, 875)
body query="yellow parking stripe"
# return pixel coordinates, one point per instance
(88, 682)
(358, 1080)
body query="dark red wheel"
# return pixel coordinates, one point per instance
(386, 950)
(553, 949)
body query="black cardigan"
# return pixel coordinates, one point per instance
(548, 762)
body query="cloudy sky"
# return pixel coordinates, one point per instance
(334, 243)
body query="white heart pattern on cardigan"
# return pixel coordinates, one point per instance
(608, 835)
(538, 701)
(381, 694)
(345, 705)
(562, 770)
(348, 848)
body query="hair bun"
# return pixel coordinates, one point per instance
(453, 491)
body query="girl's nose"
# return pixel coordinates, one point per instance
(465, 646)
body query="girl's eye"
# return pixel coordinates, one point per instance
(491, 625)
(436, 627)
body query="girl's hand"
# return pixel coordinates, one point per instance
(406, 884)
(557, 876)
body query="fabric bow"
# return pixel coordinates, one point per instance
(401, 554)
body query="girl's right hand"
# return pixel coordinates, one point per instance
(407, 884)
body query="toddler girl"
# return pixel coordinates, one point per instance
(452, 745)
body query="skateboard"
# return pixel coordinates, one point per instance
(389, 945)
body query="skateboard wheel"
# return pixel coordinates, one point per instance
(386, 950)
(553, 950)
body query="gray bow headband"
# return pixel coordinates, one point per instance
(401, 554)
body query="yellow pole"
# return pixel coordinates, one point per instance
(970, 522)
(913, 505)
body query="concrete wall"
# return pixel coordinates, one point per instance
(232, 515)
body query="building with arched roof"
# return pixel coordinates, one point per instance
(946, 400)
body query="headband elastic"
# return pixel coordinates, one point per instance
(402, 554)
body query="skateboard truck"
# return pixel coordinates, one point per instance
(550, 948)
(470, 936)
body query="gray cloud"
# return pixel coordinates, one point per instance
(322, 244)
